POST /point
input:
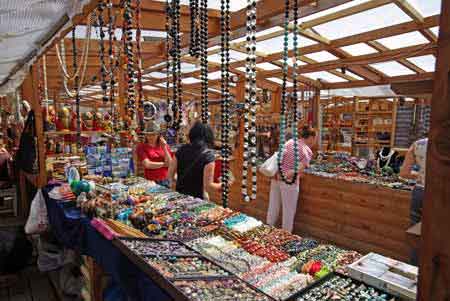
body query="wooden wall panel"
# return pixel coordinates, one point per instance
(362, 217)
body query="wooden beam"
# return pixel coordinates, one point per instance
(372, 58)
(345, 13)
(363, 37)
(380, 47)
(434, 273)
(409, 10)
(385, 81)
(422, 88)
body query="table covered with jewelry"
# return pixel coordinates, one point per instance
(191, 249)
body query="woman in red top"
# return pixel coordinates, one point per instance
(155, 156)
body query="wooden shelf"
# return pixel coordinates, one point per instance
(374, 112)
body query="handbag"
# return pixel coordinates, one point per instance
(270, 167)
(27, 159)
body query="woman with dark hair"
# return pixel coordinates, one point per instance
(286, 195)
(155, 156)
(193, 164)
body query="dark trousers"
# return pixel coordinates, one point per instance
(415, 216)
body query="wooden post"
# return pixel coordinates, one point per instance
(434, 277)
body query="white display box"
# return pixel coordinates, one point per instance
(395, 277)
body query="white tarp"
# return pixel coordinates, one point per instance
(23, 26)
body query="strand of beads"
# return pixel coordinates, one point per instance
(176, 64)
(204, 59)
(140, 94)
(128, 47)
(112, 61)
(284, 95)
(167, 117)
(250, 105)
(101, 23)
(77, 90)
(194, 47)
(225, 103)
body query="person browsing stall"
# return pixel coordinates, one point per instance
(194, 163)
(286, 196)
(155, 156)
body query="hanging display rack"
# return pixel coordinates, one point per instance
(249, 152)
(284, 96)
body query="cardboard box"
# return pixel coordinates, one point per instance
(395, 277)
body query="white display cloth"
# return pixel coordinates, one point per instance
(24, 27)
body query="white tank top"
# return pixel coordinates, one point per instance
(420, 155)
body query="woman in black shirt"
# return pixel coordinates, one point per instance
(193, 164)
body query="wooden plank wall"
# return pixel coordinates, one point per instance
(362, 217)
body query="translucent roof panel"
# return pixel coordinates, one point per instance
(158, 75)
(269, 31)
(332, 10)
(214, 75)
(237, 56)
(404, 40)
(267, 66)
(187, 67)
(427, 7)
(280, 81)
(276, 44)
(372, 19)
(435, 30)
(321, 56)
(325, 76)
(190, 80)
(241, 69)
(359, 49)
(214, 58)
(426, 62)
(392, 68)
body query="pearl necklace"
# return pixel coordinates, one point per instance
(174, 31)
(250, 106)
(139, 66)
(128, 47)
(203, 14)
(386, 158)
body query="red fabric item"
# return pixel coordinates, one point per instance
(154, 154)
(217, 171)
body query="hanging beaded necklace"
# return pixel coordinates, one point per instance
(194, 46)
(103, 71)
(225, 101)
(167, 117)
(203, 39)
(77, 90)
(249, 152)
(140, 94)
(128, 47)
(175, 53)
(284, 95)
(113, 63)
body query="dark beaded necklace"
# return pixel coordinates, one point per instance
(250, 106)
(103, 71)
(226, 99)
(203, 14)
(194, 47)
(77, 90)
(167, 117)
(128, 47)
(176, 64)
(113, 63)
(284, 95)
(140, 94)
